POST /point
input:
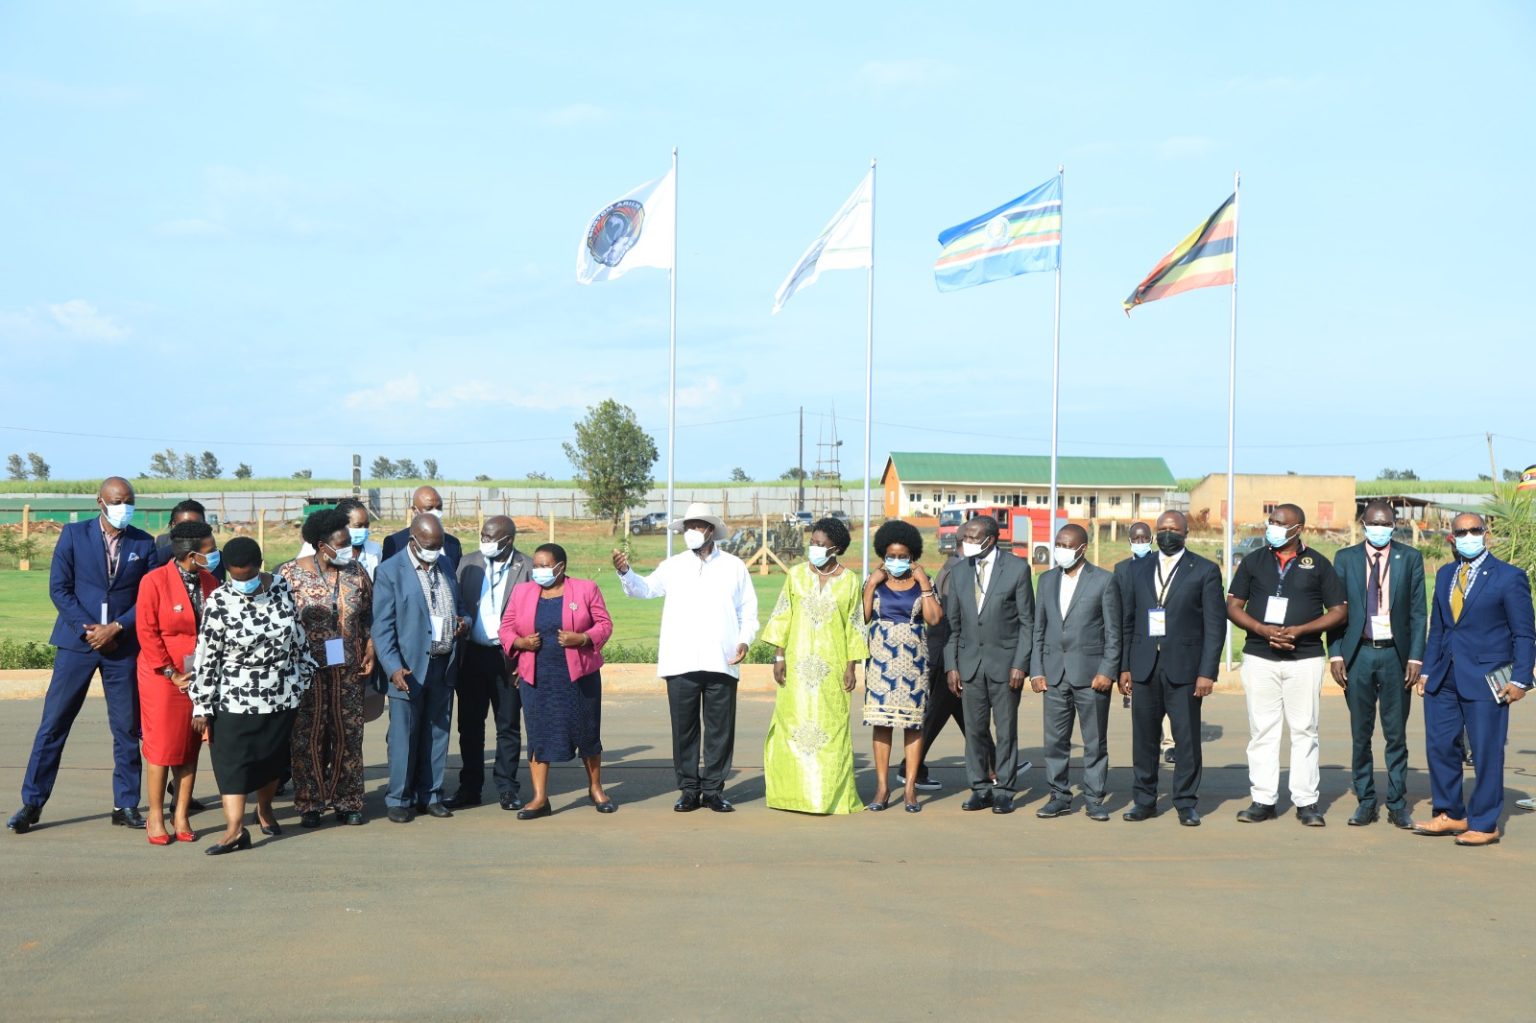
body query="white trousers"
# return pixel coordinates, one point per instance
(1283, 692)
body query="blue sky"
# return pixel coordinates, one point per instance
(287, 232)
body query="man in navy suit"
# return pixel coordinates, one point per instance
(418, 616)
(1479, 660)
(94, 583)
(425, 501)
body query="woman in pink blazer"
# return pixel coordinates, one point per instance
(555, 628)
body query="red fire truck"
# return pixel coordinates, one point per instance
(1033, 541)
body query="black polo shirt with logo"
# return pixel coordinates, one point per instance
(1311, 585)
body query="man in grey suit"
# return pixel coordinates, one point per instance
(1076, 658)
(417, 618)
(486, 681)
(990, 608)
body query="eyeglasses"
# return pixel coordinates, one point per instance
(1469, 531)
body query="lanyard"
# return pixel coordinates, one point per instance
(1162, 586)
(431, 572)
(1285, 570)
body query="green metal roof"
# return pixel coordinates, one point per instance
(1031, 470)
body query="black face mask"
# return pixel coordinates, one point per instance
(1169, 542)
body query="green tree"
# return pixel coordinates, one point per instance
(40, 469)
(303, 474)
(613, 458)
(243, 472)
(208, 467)
(794, 472)
(538, 475)
(382, 469)
(1512, 522)
(15, 468)
(739, 475)
(405, 469)
(430, 464)
(188, 467)
(165, 465)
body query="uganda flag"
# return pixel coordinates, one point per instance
(1205, 259)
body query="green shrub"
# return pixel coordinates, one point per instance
(14, 655)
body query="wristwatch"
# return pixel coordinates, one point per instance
(168, 671)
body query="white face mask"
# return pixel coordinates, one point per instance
(119, 515)
(427, 557)
(342, 557)
(1066, 557)
(434, 511)
(694, 538)
(490, 550)
(818, 555)
(970, 550)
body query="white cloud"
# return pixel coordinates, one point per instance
(1186, 147)
(392, 394)
(895, 74)
(573, 114)
(80, 319)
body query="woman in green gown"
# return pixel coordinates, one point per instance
(817, 630)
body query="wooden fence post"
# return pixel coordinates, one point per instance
(25, 564)
(261, 529)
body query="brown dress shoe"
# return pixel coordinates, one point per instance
(1442, 824)
(1477, 838)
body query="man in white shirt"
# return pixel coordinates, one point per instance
(707, 623)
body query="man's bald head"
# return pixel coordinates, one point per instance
(115, 490)
(1174, 520)
(497, 528)
(1071, 535)
(426, 499)
(1468, 520)
(427, 532)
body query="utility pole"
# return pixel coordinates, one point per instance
(1493, 466)
(801, 506)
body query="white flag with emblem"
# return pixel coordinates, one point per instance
(844, 244)
(635, 230)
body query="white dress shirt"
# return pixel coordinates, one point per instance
(1069, 587)
(986, 567)
(493, 597)
(710, 609)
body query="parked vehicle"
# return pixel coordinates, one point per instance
(803, 518)
(651, 522)
(841, 516)
(1244, 547)
(1033, 541)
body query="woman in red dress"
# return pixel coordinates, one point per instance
(170, 609)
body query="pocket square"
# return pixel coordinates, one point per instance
(133, 556)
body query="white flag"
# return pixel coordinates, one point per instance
(634, 230)
(844, 244)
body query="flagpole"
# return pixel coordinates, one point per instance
(672, 367)
(869, 363)
(1231, 408)
(1061, 177)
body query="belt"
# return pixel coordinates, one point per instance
(1379, 644)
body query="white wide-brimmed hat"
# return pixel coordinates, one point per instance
(702, 513)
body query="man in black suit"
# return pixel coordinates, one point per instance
(1174, 623)
(1378, 655)
(990, 608)
(942, 704)
(486, 679)
(425, 501)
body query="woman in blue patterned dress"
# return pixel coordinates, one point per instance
(900, 605)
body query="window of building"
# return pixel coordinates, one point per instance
(915, 496)
(1042, 498)
(972, 498)
(1269, 507)
(1114, 500)
(1076, 500)
(951, 499)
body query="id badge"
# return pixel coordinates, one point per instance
(439, 628)
(1381, 626)
(1157, 622)
(335, 652)
(188, 663)
(106, 618)
(1274, 611)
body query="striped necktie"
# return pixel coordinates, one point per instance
(1459, 592)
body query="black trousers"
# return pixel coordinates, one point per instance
(1150, 702)
(942, 706)
(1376, 681)
(703, 705)
(486, 685)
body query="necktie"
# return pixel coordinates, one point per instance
(981, 582)
(1373, 596)
(1459, 593)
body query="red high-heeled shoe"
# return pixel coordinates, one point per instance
(160, 839)
(186, 836)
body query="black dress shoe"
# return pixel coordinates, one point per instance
(978, 801)
(1139, 812)
(194, 805)
(1055, 808)
(22, 820)
(401, 814)
(1170, 755)
(606, 806)
(1098, 812)
(1256, 812)
(1189, 816)
(511, 803)
(352, 817)
(128, 817)
(718, 803)
(1310, 816)
(243, 842)
(1400, 819)
(309, 819)
(687, 802)
(439, 811)
(532, 815)
(272, 830)
(462, 799)
(1364, 815)
(1002, 803)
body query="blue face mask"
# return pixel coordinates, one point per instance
(898, 566)
(545, 577)
(1140, 550)
(119, 515)
(1469, 547)
(1378, 536)
(1276, 536)
(359, 536)
(211, 560)
(248, 587)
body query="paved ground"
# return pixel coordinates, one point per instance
(649, 914)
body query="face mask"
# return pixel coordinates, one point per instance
(898, 566)
(1469, 547)
(694, 538)
(970, 550)
(1277, 536)
(248, 587)
(490, 550)
(358, 535)
(818, 556)
(1378, 536)
(1140, 550)
(1169, 542)
(545, 577)
(210, 560)
(427, 557)
(1066, 557)
(342, 557)
(434, 511)
(118, 515)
